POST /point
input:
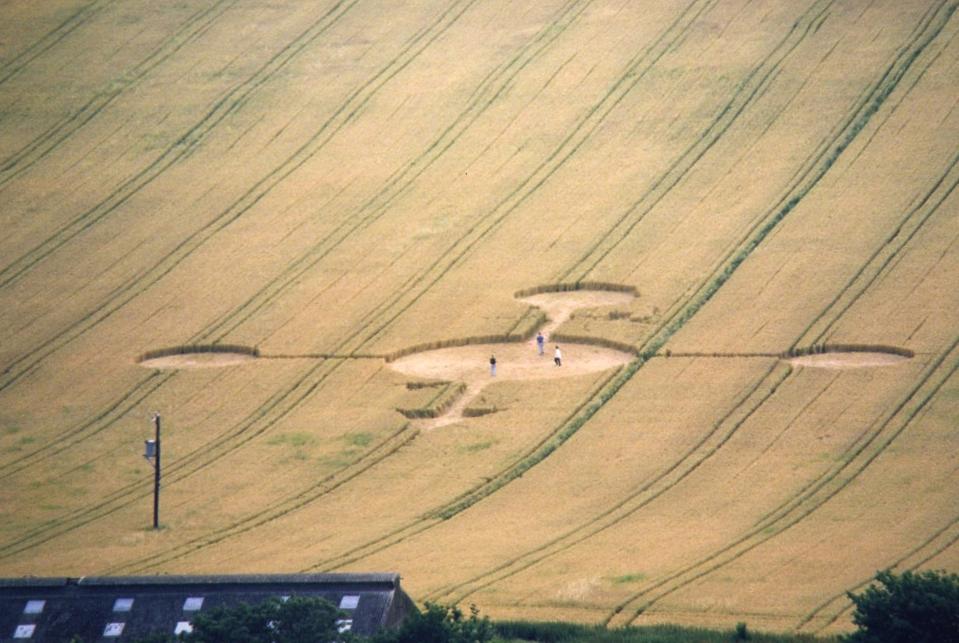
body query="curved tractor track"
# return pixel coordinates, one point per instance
(49, 40)
(182, 147)
(46, 144)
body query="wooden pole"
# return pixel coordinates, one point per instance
(156, 475)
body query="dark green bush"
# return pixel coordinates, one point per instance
(440, 624)
(911, 608)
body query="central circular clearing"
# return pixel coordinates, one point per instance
(521, 361)
(513, 362)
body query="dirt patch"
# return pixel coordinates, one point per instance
(513, 362)
(851, 359)
(846, 356)
(198, 356)
(196, 360)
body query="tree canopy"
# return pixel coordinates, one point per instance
(440, 624)
(915, 607)
(297, 620)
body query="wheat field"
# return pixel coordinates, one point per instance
(334, 185)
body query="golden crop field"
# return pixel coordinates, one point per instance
(368, 200)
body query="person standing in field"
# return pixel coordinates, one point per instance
(540, 341)
(558, 357)
(492, 366)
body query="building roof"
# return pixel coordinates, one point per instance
(126, 608)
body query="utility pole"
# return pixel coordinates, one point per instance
(152, 454)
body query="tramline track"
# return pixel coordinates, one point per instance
(821, 160)
(49, 40)
(876, 263)
(284, 280)
(750, 90)
(331, 564)
(328, 484)
(413, 281)
(314, 492)
(71, 333)
(173, 154)
(884, 257)
(708, 444)
(160, 270)
(468, 497)
(45, 144)
(863, 279)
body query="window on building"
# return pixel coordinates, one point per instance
(193, 604)
(113, 630)
(34, 607)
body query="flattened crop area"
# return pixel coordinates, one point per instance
(348, 211)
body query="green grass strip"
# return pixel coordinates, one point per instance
(556, 632)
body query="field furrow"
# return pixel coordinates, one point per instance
(22, 59)
(37, 149)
